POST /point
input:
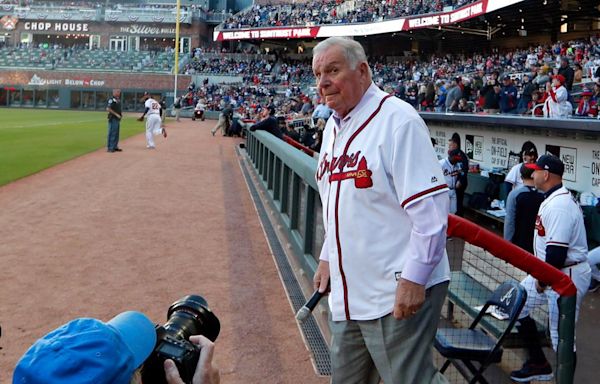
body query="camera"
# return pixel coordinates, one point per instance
(187, 316)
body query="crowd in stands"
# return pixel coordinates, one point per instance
(228, 66)
(507, 82)
(334, 12)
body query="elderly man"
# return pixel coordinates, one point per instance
(386, 208)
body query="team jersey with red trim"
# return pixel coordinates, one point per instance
(560, 222)
(374, 164)
(153, 107)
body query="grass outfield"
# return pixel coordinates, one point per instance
(32, 140)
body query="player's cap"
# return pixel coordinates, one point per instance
(506, 77)
(89, 351)
(548, 163)
(454, 155)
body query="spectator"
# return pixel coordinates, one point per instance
(269, 123)
(567, 72)
(586, 106)
(578, 75)
(464, 106)
(322, 111)
(454, 95)
(508, 96)
(527, 90)
(490, 93)
(536, 99)
(557, 104)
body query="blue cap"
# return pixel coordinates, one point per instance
(89, 351)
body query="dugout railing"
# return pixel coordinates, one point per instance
(287, 176)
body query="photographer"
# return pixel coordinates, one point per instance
(206, 373)
(89, 351)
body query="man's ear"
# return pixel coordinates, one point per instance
(364, 70)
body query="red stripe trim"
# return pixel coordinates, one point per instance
(557, 243)
(337, 200)
(423, 193)
(552, 95)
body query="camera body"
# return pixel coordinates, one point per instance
(186, 317)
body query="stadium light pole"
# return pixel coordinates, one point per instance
(176, 67)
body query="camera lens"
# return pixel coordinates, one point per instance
(189, 316)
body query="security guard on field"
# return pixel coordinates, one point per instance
(114, 121)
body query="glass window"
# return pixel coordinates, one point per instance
(15, 98)
(76, 99)
(102, 100)
(41, 100)
(128, 101)
(3, 97)
(88, 100)
(27, 100)
(53, 98)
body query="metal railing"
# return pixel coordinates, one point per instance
(289, 176)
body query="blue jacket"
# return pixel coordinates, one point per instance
(508, 99)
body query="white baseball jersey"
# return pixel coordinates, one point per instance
(451, 173)
(557, 104)
(153, 107)
(560, 222)
(514, 176)
(375, 164)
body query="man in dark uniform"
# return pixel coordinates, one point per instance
(269, 123)
(114, 121)
(463, 180)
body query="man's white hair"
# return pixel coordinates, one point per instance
(351, 49)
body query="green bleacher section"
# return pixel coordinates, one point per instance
(83, 59)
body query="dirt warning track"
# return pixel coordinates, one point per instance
(137, 230)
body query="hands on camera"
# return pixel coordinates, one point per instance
(205, 373)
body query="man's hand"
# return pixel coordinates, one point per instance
(540, 287)
(321, 278)
(205, 372)
(409, 299)
(140, 119)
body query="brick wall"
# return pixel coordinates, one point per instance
(93, 80)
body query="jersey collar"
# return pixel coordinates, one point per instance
(365, 100)
(552, 190)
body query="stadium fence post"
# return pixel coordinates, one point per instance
(565, 359)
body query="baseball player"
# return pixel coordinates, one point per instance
(559, 240)
(385, 210)
(153, 120)
(451, 168)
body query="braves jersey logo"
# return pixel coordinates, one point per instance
(539, 226)
(451, 173)
(361, 175)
